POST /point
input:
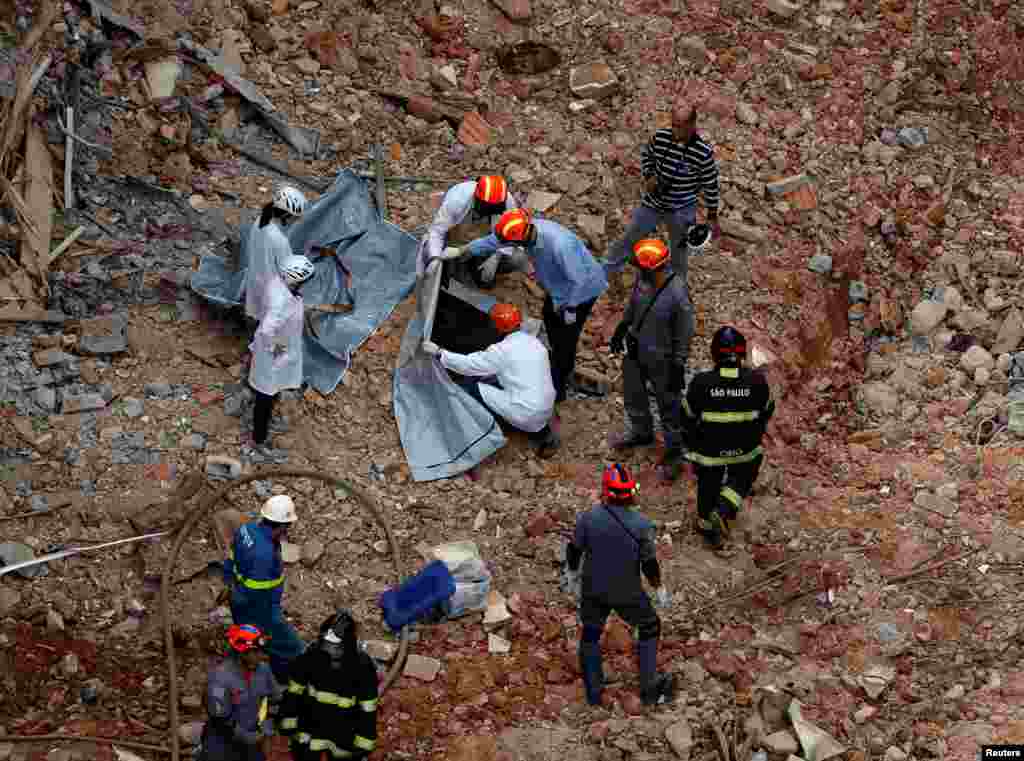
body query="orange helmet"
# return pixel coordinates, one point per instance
(506, 317)
(650, 253)
(617, 485)
(513, 225)
(245, 637)
(491, 189)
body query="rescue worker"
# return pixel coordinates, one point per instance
(267, 247)
(565, 269)
(616, 545)
(277, 346)
(255, 574)
(677, 165)
(655, 335)
(331, 701)
(522, 394)
(468, 211)
(726, 412)
(238, 694)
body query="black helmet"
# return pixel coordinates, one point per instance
(698, 238)
(728, 347)
(338, 635)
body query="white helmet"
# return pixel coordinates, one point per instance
(297, 269)
(279, 509)
(290, 199)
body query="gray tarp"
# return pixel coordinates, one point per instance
(444, 430)
(380, 257)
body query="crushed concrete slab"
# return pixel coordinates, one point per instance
(422, 668)
(104, 335)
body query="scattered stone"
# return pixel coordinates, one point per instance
(131, 407)
(46, 398)
(422, 668)
(913, 137)
(858, 292)
(880, 398)
(864, 713)
(222, 466)
(820, 263)
(196, 441)
(740, 231)
(982, 376)
(927, 316)
(952, 299)
(692, 48)
(956, 692)
(1011, 332)
(380, 650)
(9, 600)
(746, 114)
(893, 753)
(497, 645)
(73, 403)
(785, 185)
(541, 201)
(312, 551)
(50, 357)
(69, 665)
(158, 390)
(781, 742)
(782, 8)
(593, 227)
(54, 621)
(307, 65)
(593, 80)
(976, 357)
(104, 335)
(680, 737)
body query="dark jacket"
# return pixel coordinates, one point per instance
(667, 327)
(725, 414)
(235, 701)
(255, 565)
(613, 559)
(332, 709)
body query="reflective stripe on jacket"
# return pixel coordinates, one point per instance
(725, 414)
(257, 563)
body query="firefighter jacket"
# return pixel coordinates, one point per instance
(331, 709)
(726, 411)
(238, 702)
(255, 565)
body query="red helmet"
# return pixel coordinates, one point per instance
(618, 485)
(513, 226)
(506, 317)
(492, 190)
(651, 253)
(246, 637)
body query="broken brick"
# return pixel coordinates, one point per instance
(803, 198)
(541, 524)
(474, 131)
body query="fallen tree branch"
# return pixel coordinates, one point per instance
(932, 566)
(34, 513)
(85, 738)
(101, 148)
(64, 245)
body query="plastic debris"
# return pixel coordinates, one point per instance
(817, 744)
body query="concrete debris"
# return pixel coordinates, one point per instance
(680, 738)
(498, 645)
(380, 650)
(820, 263)
(421, 667)
(594, 81)
(290, 553)
(223, 467)
(104, 335)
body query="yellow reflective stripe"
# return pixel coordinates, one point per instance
(730, 494)
(317, 745)
(259, 583)
(686, 407)
(729, 372)
(331, 698)
(264, 710)
(289, 723)
(368, 705)
(730, 417)
(296, 688)
(363, 743)
(702, 459)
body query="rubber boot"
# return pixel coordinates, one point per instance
(593, 671)
(627, 439)
(655, 688)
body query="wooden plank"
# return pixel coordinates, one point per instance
(16, 314)
(35, 248)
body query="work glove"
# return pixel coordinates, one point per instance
(569, 316)
(676, 379)
(662, 597)
(570, 582)
(431, 348)
(618, 343)
(452, 252)
(490, 268)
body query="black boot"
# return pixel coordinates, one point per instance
(655, 688)
(593, 671)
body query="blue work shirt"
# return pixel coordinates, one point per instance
(565, 268)
(255, 565)
(238, 703)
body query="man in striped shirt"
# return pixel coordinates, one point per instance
(677, 164)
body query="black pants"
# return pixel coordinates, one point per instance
(261, 416)
(641, 617)
(723, 488)
(472, 387)
(564, 339)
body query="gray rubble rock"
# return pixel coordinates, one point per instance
(680, 737)
(132, 408)
(158, 390)
(46, 398)
(196, 441)
(820, 263)
(104, 335)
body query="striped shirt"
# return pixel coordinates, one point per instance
(682, 171)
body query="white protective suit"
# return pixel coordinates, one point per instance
(277, 346)
(268, 247)
(526, 398)
(456, 208)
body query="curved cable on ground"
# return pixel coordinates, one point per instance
(204, 507)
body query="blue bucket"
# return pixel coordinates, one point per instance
(417, 596)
